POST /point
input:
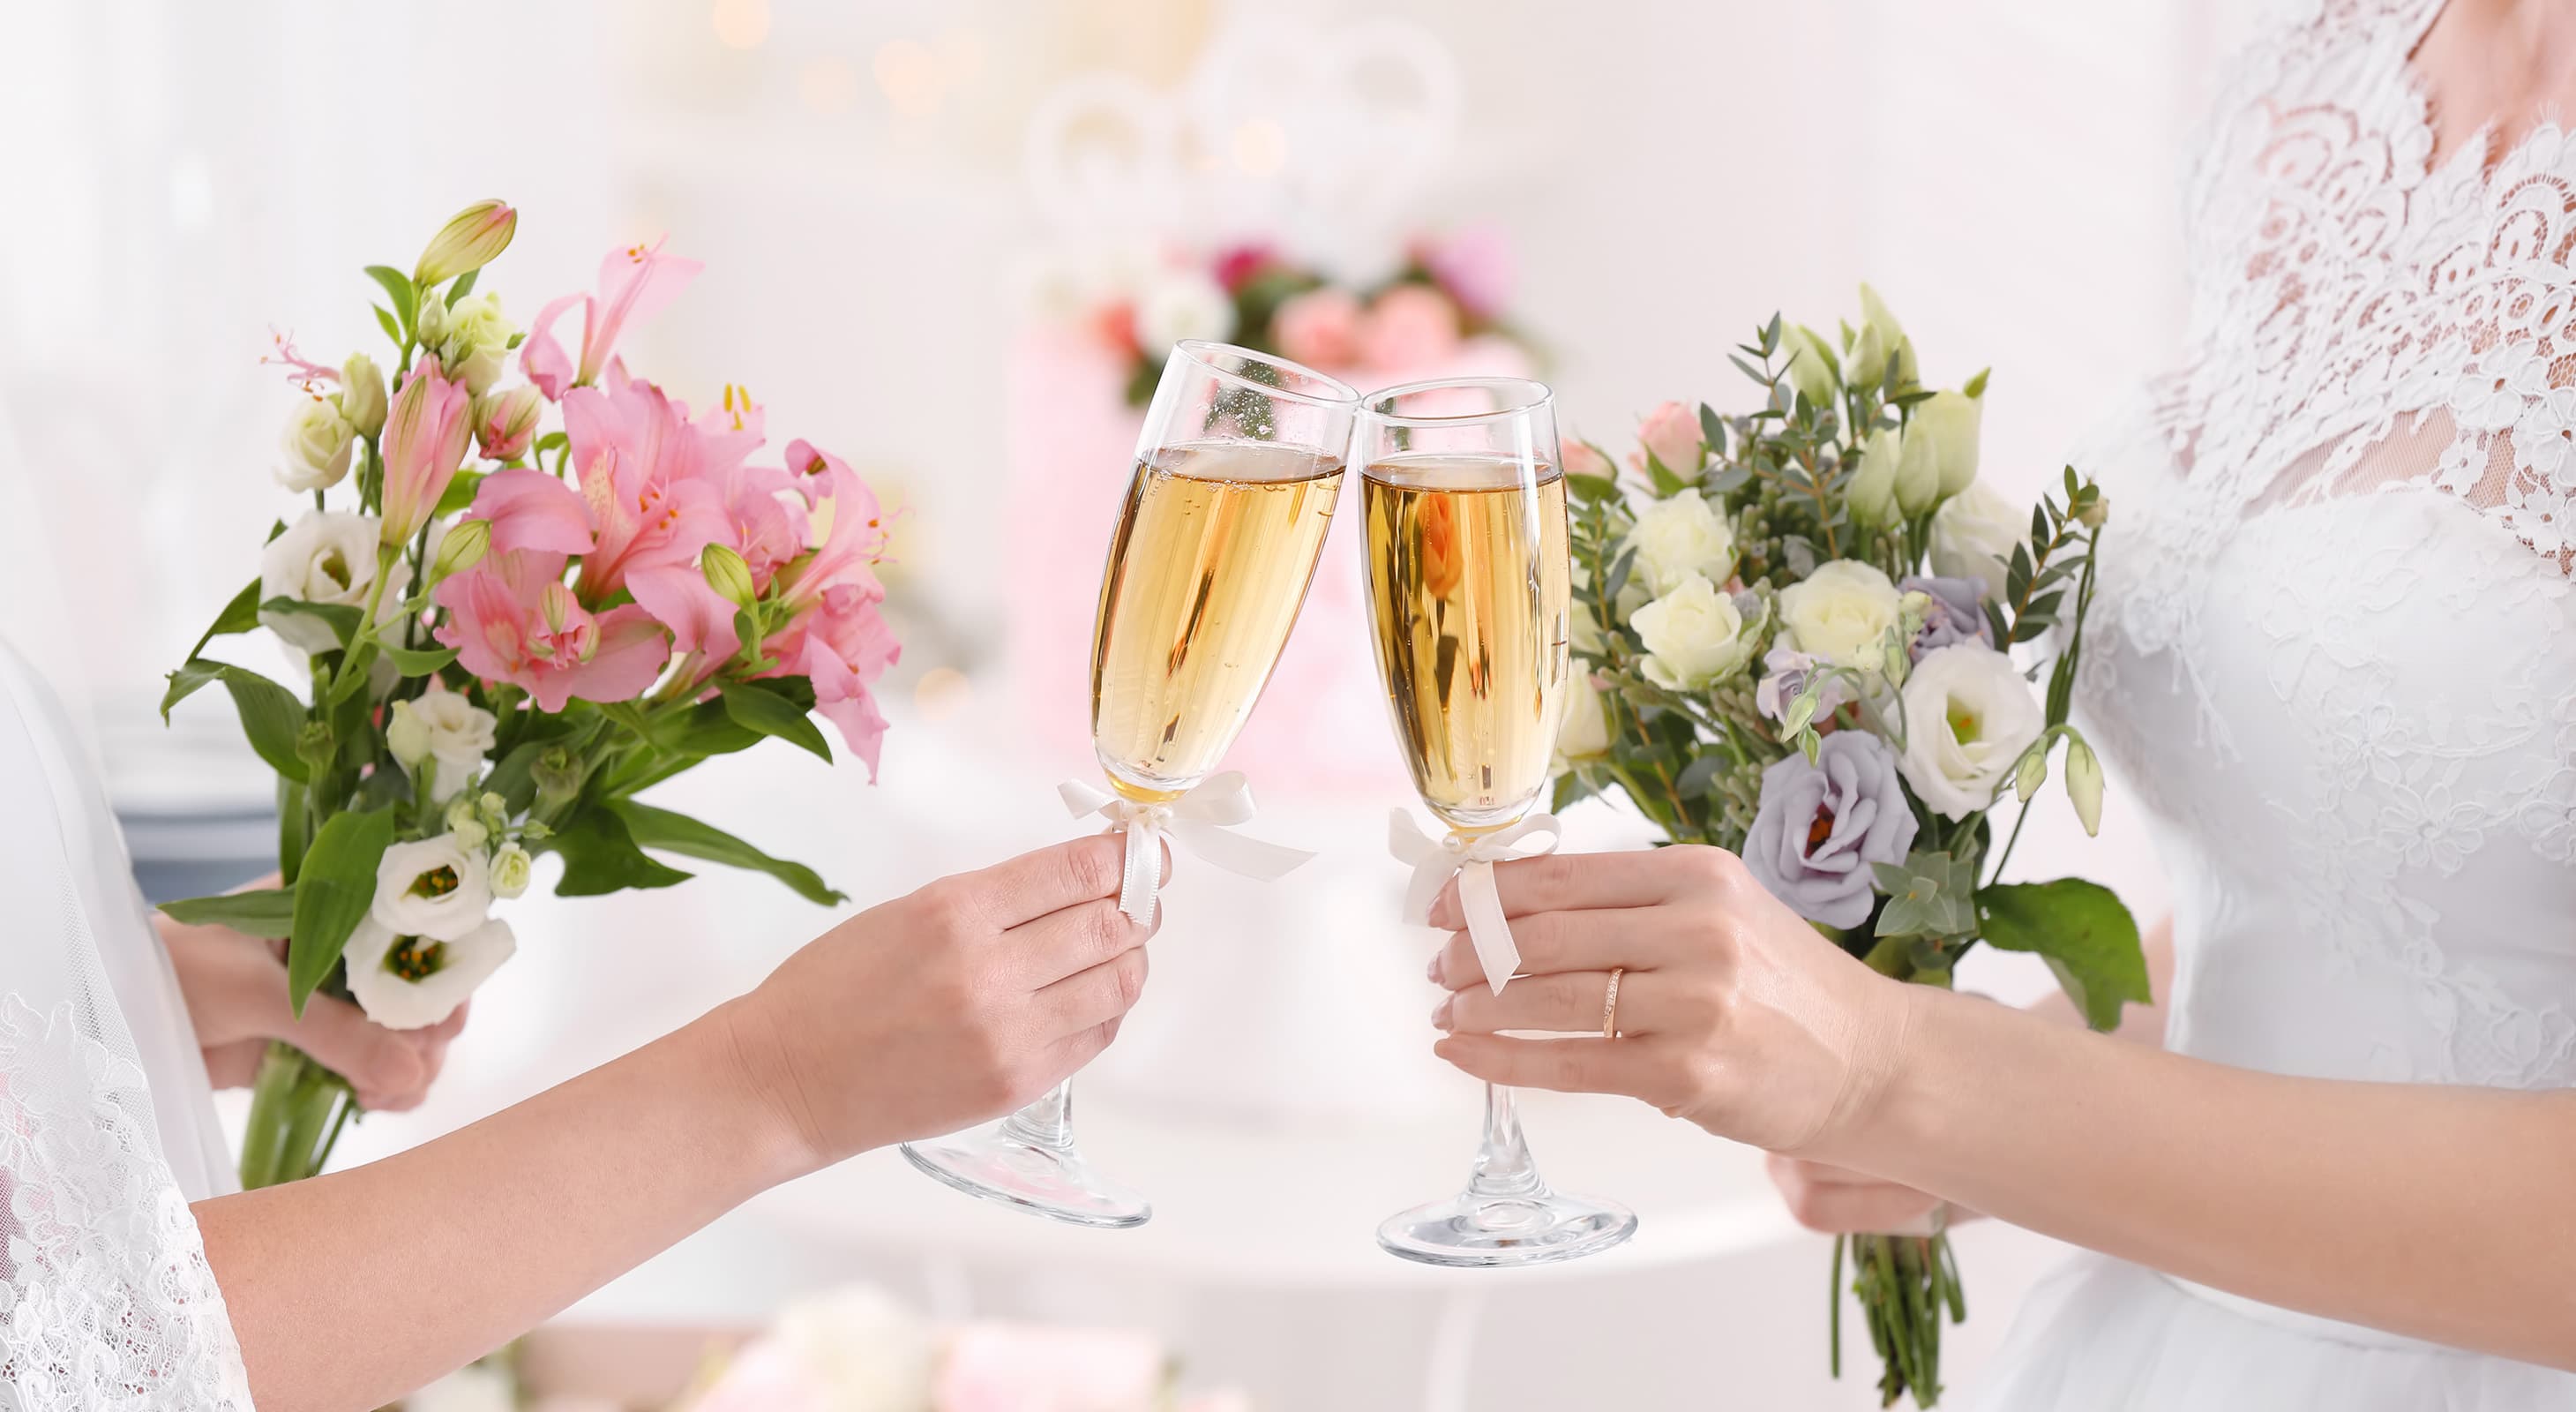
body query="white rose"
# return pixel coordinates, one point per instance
(1973, 535)
(1694, 634)
(1585, 733)
(1681, 536)
(325, 557)
(478, 341)
(436, 888)
(405, 981)
(441, 726)
(870, 1351)
(1968, 718)
(511, 870)
(1841, 612)
(317, 445)
(1182, 303)
(1953, 421)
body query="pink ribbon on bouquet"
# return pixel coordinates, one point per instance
(1471, 859)
(1201, 821)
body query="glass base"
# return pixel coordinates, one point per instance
(1041, 1179)
(1537, 1228)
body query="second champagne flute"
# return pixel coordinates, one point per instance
(1469, 586)
(1237, 471)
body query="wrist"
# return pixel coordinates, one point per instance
(761, 1083)
(1878, 1060)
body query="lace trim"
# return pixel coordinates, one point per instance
(106, 1300)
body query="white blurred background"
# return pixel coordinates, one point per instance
(858, 178)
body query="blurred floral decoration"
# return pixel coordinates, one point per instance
(857, 1349)
(1449, 289)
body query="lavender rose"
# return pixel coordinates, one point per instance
(1955, 614)
(1821, 826)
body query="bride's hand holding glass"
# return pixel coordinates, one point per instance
(1732, 1011)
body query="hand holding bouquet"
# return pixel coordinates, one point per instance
(510, 630)
(1801, 650)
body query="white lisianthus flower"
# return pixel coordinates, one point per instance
(317, 444)
(1681, 536)
(1953, 421)
(405, 981)
(1973, 535)
(478, 341)
(1841, 613)
(445, 728)
(1968, 718)
(1918, 471)
(325, 557)
(1181, 303)
(511, 870)
(1695, 636)
(435, 888)
(1872, 491)
(1813, 369)
(1585, 732)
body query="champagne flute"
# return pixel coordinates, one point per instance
(1463, 499)
(1237, 472)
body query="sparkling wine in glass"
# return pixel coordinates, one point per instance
(1236, 476)
(1470, 610)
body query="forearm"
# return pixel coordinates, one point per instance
(349, 1290)
(2434, 1211)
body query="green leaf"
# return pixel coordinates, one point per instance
(551, 441)
(418, 661)
(240, 615)
(678, 833)
(333, 891)
(1748, 370)
(268, 912)
(756, 709)
(1975, 387)
(460, 494)
(2082, 930)
(398, 287)
(600, 857)
(270, 715)
(355, 677)
(1592, 490)
(292, 824)
(1694, 781)
(464, 286)
(387, 322)
(1667, 483)
(1727, 481)
(341, 618)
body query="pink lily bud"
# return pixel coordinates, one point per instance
(471, 239)
(425, 438)
(505, 422)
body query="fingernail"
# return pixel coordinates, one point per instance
(1432, 972)
(1440, 1014)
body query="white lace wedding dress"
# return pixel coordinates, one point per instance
(107, 1127)
(2335, 654)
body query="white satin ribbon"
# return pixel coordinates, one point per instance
(1471, 858)
(1201, 821)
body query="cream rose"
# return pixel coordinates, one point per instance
(512, 869)
(410, 982)
(1973, 534)
(1841, 612)
(1585, 733)
(1694, 634)
(317, 444)
(325, 557)
(1968, 718)
(1181, 304)
(1681, 536)
(441, 728)
(435, 888)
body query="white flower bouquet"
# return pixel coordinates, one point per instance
(508, 632)
(1801, 630)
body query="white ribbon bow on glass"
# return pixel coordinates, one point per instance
(1201, 821)
(1471, 858)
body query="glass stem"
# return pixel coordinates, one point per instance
(1049, 1121)
(1503, 1164)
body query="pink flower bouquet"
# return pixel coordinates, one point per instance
(511, 630)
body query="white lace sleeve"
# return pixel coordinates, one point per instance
(106, 1300)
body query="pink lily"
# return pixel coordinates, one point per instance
(653, 480)
(306, 372)
(425, 438)
(511, 619)
(634, 284)
(532, 510)
(846, 514)
(843, 646)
